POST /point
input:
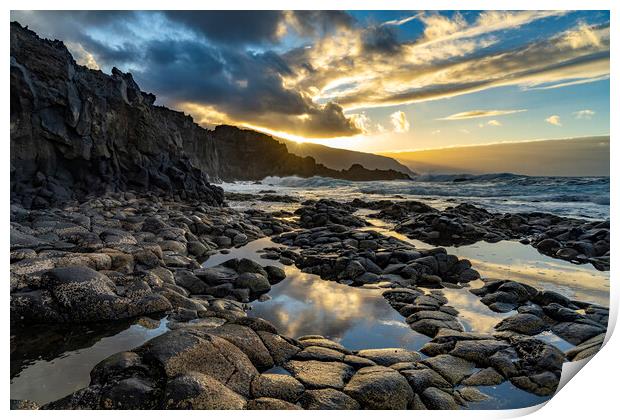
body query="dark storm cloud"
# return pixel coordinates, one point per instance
(381, 39)
(260, 26)
(320, 22)
(213, 69)
(232, 26)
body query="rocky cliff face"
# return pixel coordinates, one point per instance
(76, 131)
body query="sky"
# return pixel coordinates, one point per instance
(372, 81)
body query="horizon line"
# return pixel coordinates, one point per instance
(457, 146)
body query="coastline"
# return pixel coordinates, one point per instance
(127, 256)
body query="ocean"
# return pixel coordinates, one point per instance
(580, 197)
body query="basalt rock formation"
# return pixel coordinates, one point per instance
(77, 131)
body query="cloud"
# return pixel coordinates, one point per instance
(478, 113)
(554, 120)
(361, 121)
(494, 123)
(399, 22)
(400, 122)
(312, 73)
(427, 69)
(585, 114)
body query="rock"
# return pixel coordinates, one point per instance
(314, 374)
(257, 324)
(548, 245)
(23, 405)
(86, 295)
(472, 394)
(523, 323)
(323, 342)
(484, 377)
(327, 399)
(247, 341)
(257, 283)
(387, 357)
(130, 394)
(280, 349)
(477, 351)
(322, 354)
(542, 384)
(179, 352)
(547, 297)
(453, 369)
(199, 391)
(265, 403)
(586, 349)
(275, 274)
(436, 399)
(282, 387)
(357, 362)
(576, 332)
(430, 327)
(420, 379)
(380, 388)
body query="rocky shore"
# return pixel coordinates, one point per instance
(574, 240)
(127, 255)
(114, 217)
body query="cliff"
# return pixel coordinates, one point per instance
(77, 131)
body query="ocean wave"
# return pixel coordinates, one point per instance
(569, 196)
(312, 182)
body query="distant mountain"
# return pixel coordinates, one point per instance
(343, 159)
(584, 156)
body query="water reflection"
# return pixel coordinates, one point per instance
(48, 364)
(506, 396)
(473, 314)
(358, 318)
(514, 261)
(305, 304)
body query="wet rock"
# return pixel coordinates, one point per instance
(547, 297)
(477, 351)
(484, 377)
(247, 341)
(387, 357)
(523, 323)
(420, 379)
(23, 405)
(586, 349)
(130, 394)
(323, 354)
(436, 399)
(453, 369)
(282, 387)
(179, 352)
(577, 332)
(358, 362)
(257, 324)
(314, 374)
(327, 399)
(199, 391)
(430, 326)
(323, 342)
(265, 403)
(257, 283)
(275, 274)
(380, 388)
(472, 394)
(281, 350)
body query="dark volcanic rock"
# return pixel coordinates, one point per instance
(76, 131)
